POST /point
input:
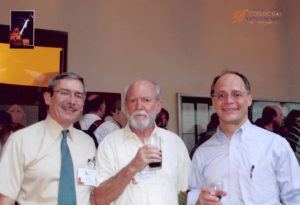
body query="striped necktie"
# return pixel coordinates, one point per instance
(66, 192)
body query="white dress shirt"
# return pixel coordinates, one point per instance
(256, 167)
(149, 187)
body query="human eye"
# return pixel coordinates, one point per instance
(64, 92)
(132, 100)
(221, 95)
(147, 100)
(79, 96)
(237, 94)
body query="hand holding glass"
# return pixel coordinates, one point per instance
(217, 188)
(155, 141)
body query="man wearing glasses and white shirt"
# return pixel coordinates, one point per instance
(40, 164)
(254, 166)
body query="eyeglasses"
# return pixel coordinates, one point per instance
(65, 93)
(236, 95)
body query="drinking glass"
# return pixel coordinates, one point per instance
(155, 141)
(217, 188)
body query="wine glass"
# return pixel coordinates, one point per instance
(217, 188)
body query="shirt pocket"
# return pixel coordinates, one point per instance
(258, 184)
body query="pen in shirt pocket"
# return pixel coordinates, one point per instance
(251, 171)
(92, 161)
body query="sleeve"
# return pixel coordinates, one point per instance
(195, 179)
(105, 161)
(185, 163)
(11, 168)
(287, 173)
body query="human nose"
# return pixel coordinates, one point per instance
(71, 98)
(229, 98)
(139, 104)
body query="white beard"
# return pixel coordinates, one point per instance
(142, 125)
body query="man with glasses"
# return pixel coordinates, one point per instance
(253, 165)
(40, 163)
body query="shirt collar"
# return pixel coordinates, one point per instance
(129, 134)
(241, 131)
(56, 129)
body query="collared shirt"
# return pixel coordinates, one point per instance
(104, 129)
(148, 187)
(31, 160)
(256, 167)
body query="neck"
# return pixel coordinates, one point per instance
(142, 135)
(230, 128)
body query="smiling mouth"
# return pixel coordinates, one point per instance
(229, 109)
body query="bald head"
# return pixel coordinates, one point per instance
(279, 116)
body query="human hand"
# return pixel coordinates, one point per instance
(146, 155)
(206, 197)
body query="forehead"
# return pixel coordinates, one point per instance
(141, 89)
(70, 84)
(230, 82)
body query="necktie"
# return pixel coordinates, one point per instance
(66, 192)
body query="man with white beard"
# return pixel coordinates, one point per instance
(123, 174)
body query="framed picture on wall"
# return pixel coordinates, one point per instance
(21, 33)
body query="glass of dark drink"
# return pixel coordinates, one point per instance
(155, 141)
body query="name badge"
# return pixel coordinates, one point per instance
(87, 176)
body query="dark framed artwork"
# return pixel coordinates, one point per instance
(25, 72)
(21, 33)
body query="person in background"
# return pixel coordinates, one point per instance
(94, 112)
(18, 117)
(211, 129)
(40, 164)
(162, 118)
(117, 117)
(292, 123)
(254, 166)
(5, 128)
(124, 176)
(272, 118)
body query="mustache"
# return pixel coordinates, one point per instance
(139, 112)
(69, 106)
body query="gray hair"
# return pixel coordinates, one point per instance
(66, 75)
(156, 87)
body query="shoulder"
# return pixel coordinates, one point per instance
(83, 137)
(265, 136)
(171, 138)
(114, 137)
(33, 131)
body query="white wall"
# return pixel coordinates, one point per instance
(180, 44)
